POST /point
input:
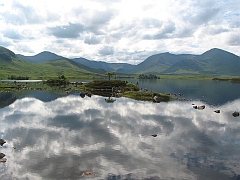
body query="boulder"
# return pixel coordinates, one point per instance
(2, 142)
(235, 113)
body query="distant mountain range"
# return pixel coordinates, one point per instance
(121, 68)
(214, 62)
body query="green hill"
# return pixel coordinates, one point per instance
(12, 65)
(155, 64)
(6, 55)
(215, 62)
(40, 58)
(69, 68)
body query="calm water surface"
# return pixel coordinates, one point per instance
(62, 137)
(209, 91)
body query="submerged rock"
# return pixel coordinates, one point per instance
(3, 160)
(1, 155)
(199, 107)
(89, 94)
(110, 100)
(88, 174)
(156, 99)
(82, 94)
(235, 113)
(2, 142)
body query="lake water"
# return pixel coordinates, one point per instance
(62, 137)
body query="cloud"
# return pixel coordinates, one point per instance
(167, 30)
(185, 32)
(12, 34)
(22, 14)
(201, 13)
(234, 39)
(106, 50)
(94, 20)
(152, 23)
(203, 16)
(22, 47)
(216, 30)
(99, 18)
(5, 42)
(91, 39)
(66, 31)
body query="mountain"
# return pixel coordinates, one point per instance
(42, 57)
(155, 63)
(8, 62)
(6, 55)
(222, 62)
(67, 63)
(212, 62)
(110, 67)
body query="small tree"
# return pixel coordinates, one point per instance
(62, 77)
(137, 84)
(110, 74)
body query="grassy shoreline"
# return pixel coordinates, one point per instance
(117, 88)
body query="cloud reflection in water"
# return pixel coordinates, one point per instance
(63, 138)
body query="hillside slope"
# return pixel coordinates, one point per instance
(6, 55)
(155, 64)
(12, 65)
(213, 62)
(42, 57)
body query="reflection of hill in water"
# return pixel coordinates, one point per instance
(44, 96)
(6, 98)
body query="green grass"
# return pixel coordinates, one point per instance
(146, 96)
(128, 90)
(45, 70)
(7, 87)
(106, 84)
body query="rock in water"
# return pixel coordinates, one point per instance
(1, 155)
(3, 160)
(2, 142)
(235, 113)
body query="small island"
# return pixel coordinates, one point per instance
(119, 88)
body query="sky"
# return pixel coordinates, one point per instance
(126, 31)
